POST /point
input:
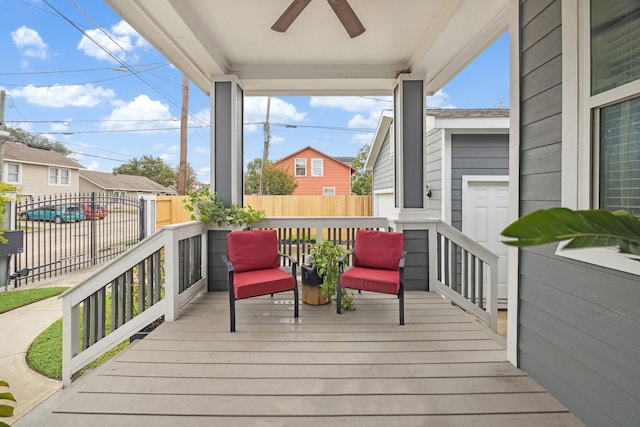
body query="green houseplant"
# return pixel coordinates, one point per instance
(209, 208)
(325, 256)
(5, 410)
(583, 229)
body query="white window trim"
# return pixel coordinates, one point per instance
(6, 172)
(579, 159)
(58, 183)
(321, 166)
(324, 189)
(295, 166)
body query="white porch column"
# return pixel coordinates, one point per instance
(227, 113)
(409, 100)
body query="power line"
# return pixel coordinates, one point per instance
(82, 70)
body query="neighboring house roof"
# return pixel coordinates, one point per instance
(442, 113)
(335, 159)
(449, 118)
(346, 160)
(22, 153)
(120, 182)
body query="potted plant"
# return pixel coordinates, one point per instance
(210, 209)
(325, 256)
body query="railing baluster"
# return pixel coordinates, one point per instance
(481, 284)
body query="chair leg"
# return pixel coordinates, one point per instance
(401, 303)
(232, 313)
(296, 303)
(339, 297)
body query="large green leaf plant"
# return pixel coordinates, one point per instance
(582, 229)
(5, 410)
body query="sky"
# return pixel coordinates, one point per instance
(62, 81)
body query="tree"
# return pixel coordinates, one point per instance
(153, 168)
(361, 180)
(25, 137)
(191, 180)
(276, 181)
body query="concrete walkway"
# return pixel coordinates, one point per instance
(18, 329)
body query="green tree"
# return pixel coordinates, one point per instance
(24, 137)
(153, 168)
(361, 180)
(276, 181)
(192, 177)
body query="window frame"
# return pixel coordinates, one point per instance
(59, 176)
(313, 167)
(580, 130)
(324, 189)
(295, 166)
(6, 172)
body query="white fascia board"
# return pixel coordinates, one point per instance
(472, 123)
(386, 118)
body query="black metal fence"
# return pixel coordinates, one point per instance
(70, 232)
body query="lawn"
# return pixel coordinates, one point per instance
(19, 298)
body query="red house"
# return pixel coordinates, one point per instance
(317, 174)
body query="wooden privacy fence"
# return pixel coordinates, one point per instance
(277, 206)
(170, 209)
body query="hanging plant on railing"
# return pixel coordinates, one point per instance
(210, 209)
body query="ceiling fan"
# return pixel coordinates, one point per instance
(345, 14)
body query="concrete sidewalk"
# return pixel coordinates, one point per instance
(18, 329)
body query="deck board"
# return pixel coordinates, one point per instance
(442, 368)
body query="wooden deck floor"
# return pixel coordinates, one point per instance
(443, 368)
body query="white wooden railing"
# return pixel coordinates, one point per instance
(153, 279)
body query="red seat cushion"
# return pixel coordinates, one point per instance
(261, 282)
(253, 250)
(378, 249)
(372, 279)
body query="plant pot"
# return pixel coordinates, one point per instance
(311, 282)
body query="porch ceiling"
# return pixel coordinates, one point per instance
(316, 56)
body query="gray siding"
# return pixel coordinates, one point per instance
(475, 154)
(383, 168)
(434, 171)
(416, 270)
(579, 334)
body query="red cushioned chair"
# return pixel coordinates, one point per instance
(253, 265)
(378, 266)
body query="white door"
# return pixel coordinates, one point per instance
(485, 208)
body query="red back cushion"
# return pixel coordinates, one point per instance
(253, 250)
(378, 249)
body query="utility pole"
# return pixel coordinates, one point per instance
(182, 168)
(265, 149)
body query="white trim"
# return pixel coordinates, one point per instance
(321, 166)
(384, 126)
(295, 166)
(446, 176)
(6, 172)
(605, 257)
(58, 182)
(514, 178)
(324, 189)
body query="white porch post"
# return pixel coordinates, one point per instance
(227, 112)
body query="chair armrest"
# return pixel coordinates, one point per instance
(401, 263)
(230, 268)
(292, 259)
(342, 259)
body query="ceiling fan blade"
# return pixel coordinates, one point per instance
(290, 15)
(348, 17)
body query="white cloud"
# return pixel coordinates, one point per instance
(29, 42)
(362, 138)
(58, 96)
(61, 126)
(121, 41)
(439, 100)
(360, 121)
(141, 113)
(93, 166)
(255, 111)
(275, 139)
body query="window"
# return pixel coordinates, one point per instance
(13, 173)
(301, 167)
(615, 104)
(58, 176)
(328, 191)
(316, 167)
(119, 195)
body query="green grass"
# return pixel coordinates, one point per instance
(45, 353)
(18, 298)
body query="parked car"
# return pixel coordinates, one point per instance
(92, 211)
(55, 213)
